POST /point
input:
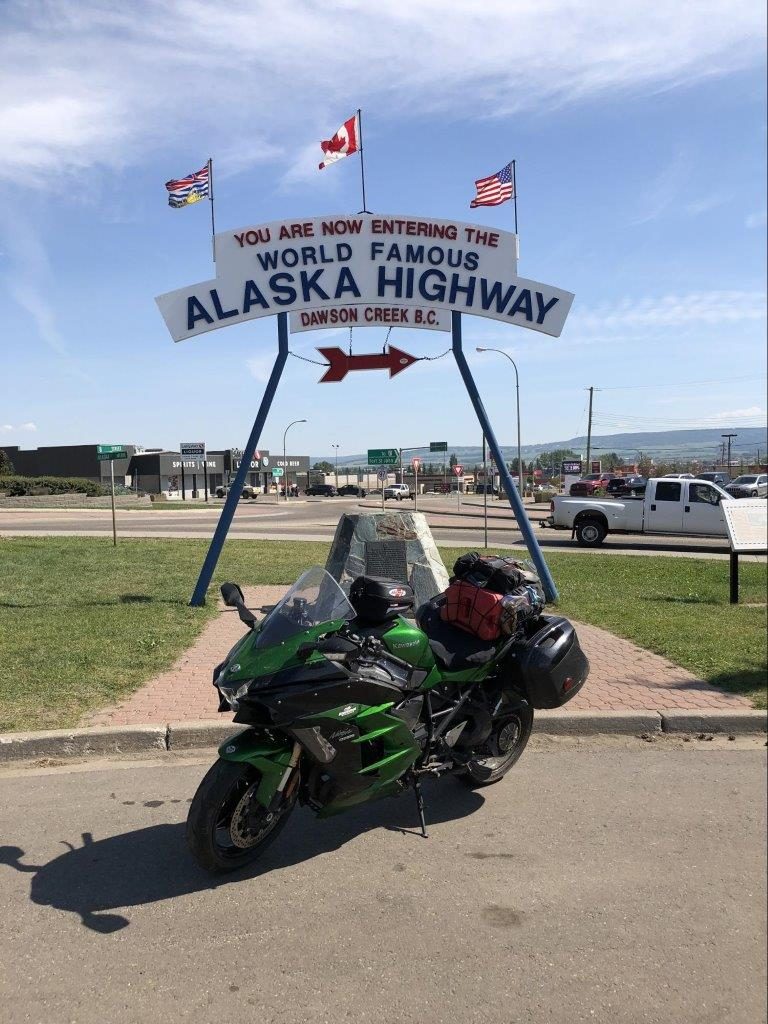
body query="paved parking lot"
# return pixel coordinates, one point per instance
(618, 883)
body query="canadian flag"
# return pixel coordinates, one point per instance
(344, 143)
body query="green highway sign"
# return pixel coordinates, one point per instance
(383, 456)
(438, 446)
(278, 471)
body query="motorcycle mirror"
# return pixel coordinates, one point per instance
(232, 595)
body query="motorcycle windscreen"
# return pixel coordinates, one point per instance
(313, 599)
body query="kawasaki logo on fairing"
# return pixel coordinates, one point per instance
(350, 709)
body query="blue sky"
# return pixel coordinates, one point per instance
(640, 142)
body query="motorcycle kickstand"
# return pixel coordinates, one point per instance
(420, 806)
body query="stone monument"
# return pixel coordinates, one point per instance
(396, 545)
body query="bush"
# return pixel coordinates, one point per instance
(18, 486)
(546, 495)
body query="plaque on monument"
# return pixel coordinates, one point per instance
(395, 545)
(388, 559)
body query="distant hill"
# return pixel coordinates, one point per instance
(664, 445)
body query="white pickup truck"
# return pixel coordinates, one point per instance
(690, 507)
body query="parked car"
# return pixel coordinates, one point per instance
(489, 488)
(679, 476)
(624, 485)
(248, 492)
(591, 483)
(668, 506)
(751, 485)
(353, 490)
(321, 491)
(721, 479)
(397, 491)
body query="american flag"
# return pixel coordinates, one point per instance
(494, 190)
(193, 188)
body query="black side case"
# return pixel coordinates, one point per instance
(550, 664)
(378, 600)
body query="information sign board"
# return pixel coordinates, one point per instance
(438, 446)
(383, 456)
(192, 449)
(278, 471)
(746, 520)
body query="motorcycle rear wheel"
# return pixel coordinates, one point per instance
(226, 827)
(501, 751)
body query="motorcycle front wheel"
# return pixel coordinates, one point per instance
(503, 748)
(226, 827)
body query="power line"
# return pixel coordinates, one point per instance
(681, 384)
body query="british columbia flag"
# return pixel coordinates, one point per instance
(189, 190)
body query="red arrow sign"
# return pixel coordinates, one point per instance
(341, 364)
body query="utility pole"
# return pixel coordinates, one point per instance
(589, 430)
(336, 464)
(729, 436)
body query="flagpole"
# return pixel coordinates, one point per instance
(514, 190)
(362, 162)
(210, 197)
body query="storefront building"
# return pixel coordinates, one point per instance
(158, 471)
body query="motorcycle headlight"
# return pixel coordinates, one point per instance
(233, 692)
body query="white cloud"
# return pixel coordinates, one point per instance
(754, 412)
(757, 220)
(711, 307)
(86, 84)
(22, 428)
(260, 367)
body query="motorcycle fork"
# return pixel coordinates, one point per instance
(274, 761)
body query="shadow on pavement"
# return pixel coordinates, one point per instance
(152, 864)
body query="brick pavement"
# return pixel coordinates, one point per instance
(623, 677)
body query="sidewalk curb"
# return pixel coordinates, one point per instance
(200, 735)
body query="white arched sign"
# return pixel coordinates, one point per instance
(418, 269)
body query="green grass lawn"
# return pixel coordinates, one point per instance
(82, 624)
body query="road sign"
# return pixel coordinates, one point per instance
(458, 470)
(192, 449)
(340, 364)
(278, 471)
(416, 463)
(438, 446)
(382, 474)
(383, 456)
(108, 452)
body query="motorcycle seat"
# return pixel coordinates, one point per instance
(453, 648)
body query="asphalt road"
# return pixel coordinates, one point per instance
(616, 882)
(316, 519)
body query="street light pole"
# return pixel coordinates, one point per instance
(517, 390)
(285, 459)
(336, 461)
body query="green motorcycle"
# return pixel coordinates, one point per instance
(347, 699)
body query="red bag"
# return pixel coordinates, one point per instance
(473, 609)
